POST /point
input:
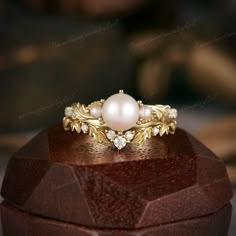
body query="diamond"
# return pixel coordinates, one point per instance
(111, 134)
(155, 131)
(172, 113)
(69, 111)
(129, 135)
(120, 142)
(84, 128)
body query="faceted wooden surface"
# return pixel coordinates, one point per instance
(72, 178)
(28, 225)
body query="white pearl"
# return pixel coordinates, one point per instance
(145, 112)
(120, 112)
(96, 111)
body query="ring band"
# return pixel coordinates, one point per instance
(120, 120)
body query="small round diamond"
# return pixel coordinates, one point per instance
(84, 128)
(172, 113)
(120, 142)
(111, 134)
(155, 131)
(69, 111)
(129, 135)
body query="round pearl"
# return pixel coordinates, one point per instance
(96, 111)
(120, 112)
(145, 112)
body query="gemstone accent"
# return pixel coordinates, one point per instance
(96, 111)
(84, 128)
(155, 131)
(69, 111)
(120, 142)
(145, 112)
(172, 113)
(111, 134)
(129, 135)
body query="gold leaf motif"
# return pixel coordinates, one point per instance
(142, 134)
(98, 134)
(66, 123)
(81, 112)
(77, 128)
(97, 129)
(74, 126)
(164, 129)
(172, 127)
(159, 114)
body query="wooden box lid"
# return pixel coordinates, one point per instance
(71, 178)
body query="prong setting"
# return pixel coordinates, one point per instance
(145, 122)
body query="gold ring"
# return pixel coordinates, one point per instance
(120, 119)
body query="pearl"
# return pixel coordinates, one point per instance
(120, 112)
(96, 111)
(145, 112)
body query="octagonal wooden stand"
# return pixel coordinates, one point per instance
(71, 184)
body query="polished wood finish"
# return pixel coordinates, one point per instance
(16, 222)
(71, 178)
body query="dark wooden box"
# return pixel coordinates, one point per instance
(62, 183)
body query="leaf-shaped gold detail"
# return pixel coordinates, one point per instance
(98, 134)
(76, 126)
(142, 134)
(66, 123)
(164, 129)
(172, 127)
(81, 112)
(73, 125)
(160, 114)
(97, 129)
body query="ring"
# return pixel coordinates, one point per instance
(120, 119)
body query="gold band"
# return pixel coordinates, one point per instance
(162, 120)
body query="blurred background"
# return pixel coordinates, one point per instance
(182, 53)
